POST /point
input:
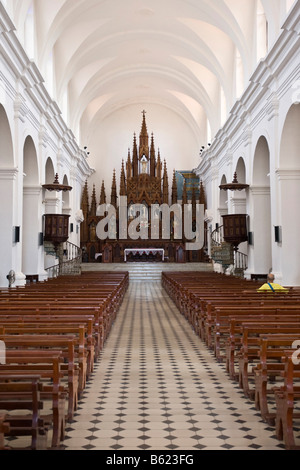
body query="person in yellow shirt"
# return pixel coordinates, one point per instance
(270, 286)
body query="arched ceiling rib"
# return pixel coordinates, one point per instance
(181, 53)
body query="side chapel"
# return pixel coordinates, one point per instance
(143, 181)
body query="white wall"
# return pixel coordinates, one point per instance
(263, 130)
(109, 142)
(31, 131)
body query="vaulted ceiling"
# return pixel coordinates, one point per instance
(194, 57)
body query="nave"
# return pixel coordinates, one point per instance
(156, 386)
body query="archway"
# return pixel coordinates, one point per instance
(223, 200)
(49, 171)
(32, 220)
(7, 182)
(239, 198)
(289, 195)
(66, 198)
(51, 200)
(52, 205)
(261, 251)
(238, 204)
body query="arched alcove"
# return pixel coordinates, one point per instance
(6, 160)
(51, 199)
(49, 171)
(66, 198)
(239, 198)
(31, 170)
(32, 218)
(241, 170)
(289, 195)
(7, 181)
(223, 199)
(261, 253)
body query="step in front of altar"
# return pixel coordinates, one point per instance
(151, 272)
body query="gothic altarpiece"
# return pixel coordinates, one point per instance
(144, 182)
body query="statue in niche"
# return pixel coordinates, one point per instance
(144, 165)
(93, 236)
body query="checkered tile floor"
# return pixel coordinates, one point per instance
(157, 387)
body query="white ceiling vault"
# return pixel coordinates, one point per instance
(192, 58)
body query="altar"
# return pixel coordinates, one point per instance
(144, 251)
(135, 232)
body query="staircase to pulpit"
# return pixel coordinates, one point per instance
(224, 251)
(68, 259)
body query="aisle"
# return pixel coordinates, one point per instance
(157, 387)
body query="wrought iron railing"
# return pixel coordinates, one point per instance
(70, 259)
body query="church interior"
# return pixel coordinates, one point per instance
(149, 275)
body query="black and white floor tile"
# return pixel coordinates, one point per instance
(157, 387)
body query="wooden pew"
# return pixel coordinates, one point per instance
(270, 367)
(248, 355)
(221, 310)
(69, 316)
(105, 304)
(240, 330)
(286, 397)
(4, 430)
(59, 326)
(199, 302)
(47, 365)
(23, 392)
(87, 317)
(217, 326)
(220, 328)
(44, 331)
(66, 346)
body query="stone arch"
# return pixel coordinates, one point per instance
(261, 209)
(289, 195)
(52, 201)
(66, 197)
(290, 139)
(6, 143)
(239, 198)
(7, 183)
(223, 199)
(31, 168)
(241, 170)
(49, 171)
(32, 219)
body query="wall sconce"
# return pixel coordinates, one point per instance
(251, 238)
(16, 234)
(41, 239)
(278, 234)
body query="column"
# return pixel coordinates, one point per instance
(32, 251)
(260, 254)
(8, 246)
(289, 190)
